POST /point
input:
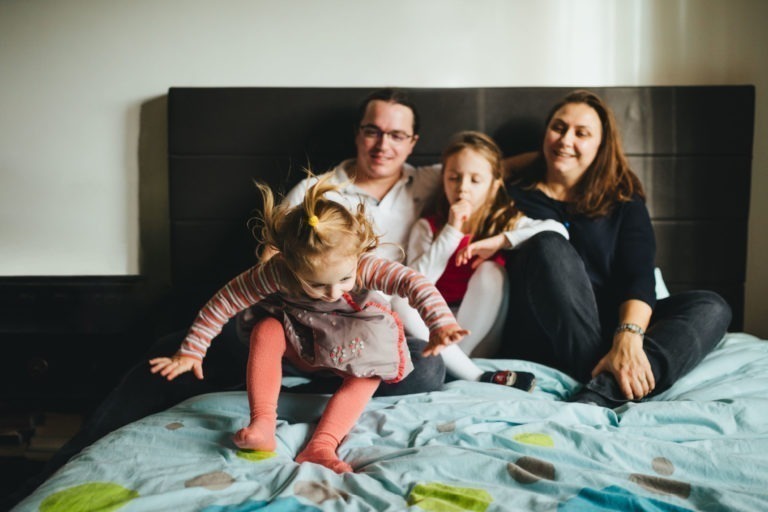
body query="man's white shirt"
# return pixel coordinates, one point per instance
(395, 214)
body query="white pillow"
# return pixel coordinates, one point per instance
(661, 288)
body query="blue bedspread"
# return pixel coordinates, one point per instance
(701, 445)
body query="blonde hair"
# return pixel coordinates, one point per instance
(499, 213)
(304, 235)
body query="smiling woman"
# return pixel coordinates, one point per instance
(570, 146)
(587, 305)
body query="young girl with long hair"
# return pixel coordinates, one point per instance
(459, 247)
(326, 315)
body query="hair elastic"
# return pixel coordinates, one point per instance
(313, 221)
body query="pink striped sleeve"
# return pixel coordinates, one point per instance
(393, 278)
(240, 293)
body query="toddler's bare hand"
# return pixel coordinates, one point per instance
(443, 337)
(172, 367)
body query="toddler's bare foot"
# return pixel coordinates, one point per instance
(325, 457)
(256, 436)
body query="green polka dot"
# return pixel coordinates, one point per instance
(535, 439)
(447, 498)
(255, 455)
(104, 496)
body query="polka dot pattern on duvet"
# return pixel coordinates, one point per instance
(535, 438)
(659, 485)
(318, 492)
(214, 481)
(255, 455)
(528, 470)
(103, 496)
(663, 466)
(439, 497)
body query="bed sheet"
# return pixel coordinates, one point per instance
(701, 445)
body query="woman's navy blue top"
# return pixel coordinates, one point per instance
(618, 250)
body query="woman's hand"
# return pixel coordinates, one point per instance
(629, 365)
(459, 213)
(483, 249)
(443, 337)
(172, 367)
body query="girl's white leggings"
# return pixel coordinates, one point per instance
(482, 312)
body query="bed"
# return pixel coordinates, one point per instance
(700, 445)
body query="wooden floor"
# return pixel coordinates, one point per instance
(27, 441)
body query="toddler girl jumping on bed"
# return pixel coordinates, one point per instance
(320, 288)
(458, 247)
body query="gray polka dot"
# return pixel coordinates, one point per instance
(663, 466)
(447, 427)
(528, 470)
(214, 481)
(662, 485)
(174, 426)
(318, 492)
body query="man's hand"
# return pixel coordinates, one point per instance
(443, 337)
(172, 367)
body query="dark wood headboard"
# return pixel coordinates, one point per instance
(690, 145)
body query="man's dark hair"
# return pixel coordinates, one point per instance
(390, 95)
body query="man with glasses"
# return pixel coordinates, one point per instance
(393, 192)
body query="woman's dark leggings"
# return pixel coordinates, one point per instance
(553, 319)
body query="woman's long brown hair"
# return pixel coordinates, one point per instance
(608, 180)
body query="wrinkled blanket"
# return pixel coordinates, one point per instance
(701, 445)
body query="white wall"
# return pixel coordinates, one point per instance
(75, 73)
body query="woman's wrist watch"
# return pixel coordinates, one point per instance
(629, 327)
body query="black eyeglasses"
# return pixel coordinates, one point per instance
(371, 131)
